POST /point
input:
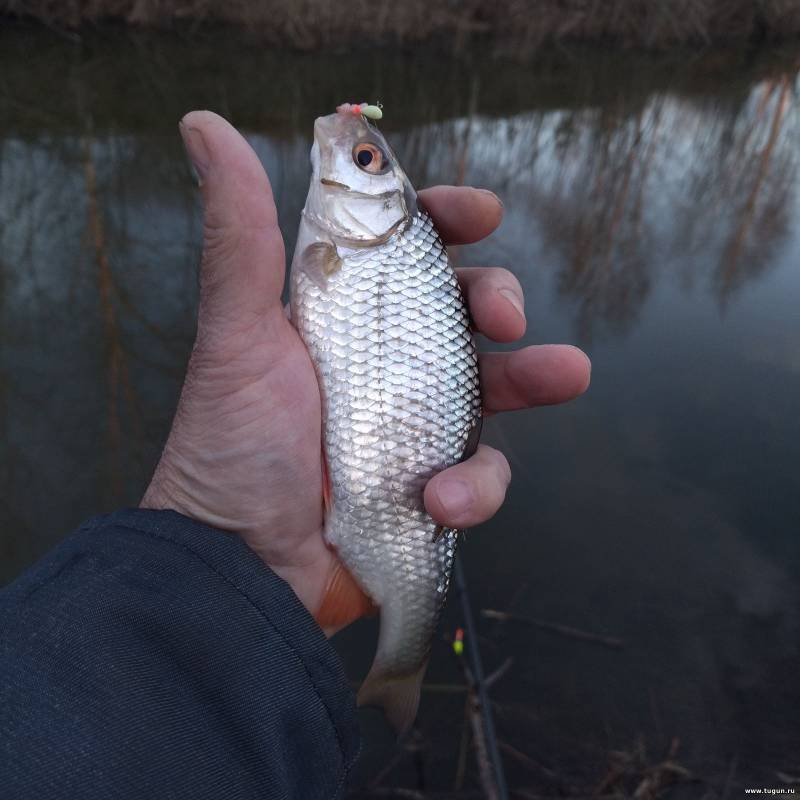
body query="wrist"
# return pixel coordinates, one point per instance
(307, 567)
(166, 493)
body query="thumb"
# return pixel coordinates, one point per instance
(243, 268)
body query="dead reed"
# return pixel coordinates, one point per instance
(523, 25)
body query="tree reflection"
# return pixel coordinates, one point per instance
(607, 181)
(607, 187)
(615, 194)
(761, 201)
(593, 215)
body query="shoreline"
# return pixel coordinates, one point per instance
(174, 70)
(512, 27)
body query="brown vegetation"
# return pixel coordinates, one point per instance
(523, 24)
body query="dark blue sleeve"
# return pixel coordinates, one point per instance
(150, 656)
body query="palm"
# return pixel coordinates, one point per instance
(247, 440)
(264, 427)
(244, 450)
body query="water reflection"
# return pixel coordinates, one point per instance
(616, 190)
(593, 212)
(643, 198)
(756, 179)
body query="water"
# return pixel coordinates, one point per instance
(653, 218)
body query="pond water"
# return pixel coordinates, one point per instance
(653, 218)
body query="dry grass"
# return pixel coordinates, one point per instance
(524, 24)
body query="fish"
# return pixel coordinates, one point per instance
(377, 302)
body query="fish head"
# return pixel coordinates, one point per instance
(359, 194)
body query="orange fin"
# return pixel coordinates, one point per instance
(344, 601)
(327, 495)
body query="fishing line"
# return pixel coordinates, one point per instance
(476, 665)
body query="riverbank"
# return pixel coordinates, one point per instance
(519, 25)
(166, 74)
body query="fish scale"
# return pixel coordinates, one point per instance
(389, 335)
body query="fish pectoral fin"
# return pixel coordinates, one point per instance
(398, 696)
(320, 260)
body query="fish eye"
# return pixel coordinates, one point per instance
(370, 158)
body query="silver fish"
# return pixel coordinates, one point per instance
(377, 303)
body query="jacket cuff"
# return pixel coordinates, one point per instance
(226, 557)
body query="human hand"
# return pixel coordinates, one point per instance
(244, 450)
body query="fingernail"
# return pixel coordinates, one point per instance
(588, 368)
(514, 299)
(196, 150)
(455, 497)
(492, 194)
(588, 360)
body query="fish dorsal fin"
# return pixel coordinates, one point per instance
(473, 440)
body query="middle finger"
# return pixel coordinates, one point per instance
(495, 301)
(538, 375)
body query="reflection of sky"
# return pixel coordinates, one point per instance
(661, 507)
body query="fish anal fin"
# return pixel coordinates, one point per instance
(344, 600)
(398, 696)
(327, 493)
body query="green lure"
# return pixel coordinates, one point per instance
(372, 112)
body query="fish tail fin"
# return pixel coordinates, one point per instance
(398, 696)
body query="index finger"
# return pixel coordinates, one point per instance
(462, 214)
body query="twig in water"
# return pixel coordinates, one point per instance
(397, 791)
(444, 688)
(475, 716)
(463, 748)
(527, 761)
(379, 778)
(613, 642)
(492, 679)
(490, 764)
(650, 780)
(729, 778)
